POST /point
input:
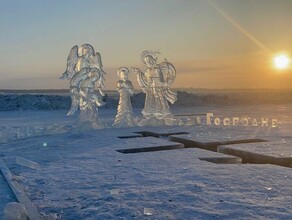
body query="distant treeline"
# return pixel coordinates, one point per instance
(190, 90)
(36, 91)
(18, 101)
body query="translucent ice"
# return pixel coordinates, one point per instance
(124, 117)
(84, 70)
(15, 211)
(115, 192)
(156, 82)
(148, 211)
(27, 163)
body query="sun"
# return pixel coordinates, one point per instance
(281, 61)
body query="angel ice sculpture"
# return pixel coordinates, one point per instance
(124, 117)
(156, 82)
(84, 69)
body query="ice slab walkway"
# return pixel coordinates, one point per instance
(276, 152)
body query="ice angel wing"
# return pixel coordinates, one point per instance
(75, 86)
(169, 74)
(71, 63)
(74, 101)
(95, 62)
(102, 73)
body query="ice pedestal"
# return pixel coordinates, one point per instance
(171, 121)
(88, 119)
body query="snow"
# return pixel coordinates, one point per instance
(80, 174)
(76, 180)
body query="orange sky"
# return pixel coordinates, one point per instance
(228, 45)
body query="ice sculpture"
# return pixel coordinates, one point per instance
(124, 117)
(156, 82)
(84, 70)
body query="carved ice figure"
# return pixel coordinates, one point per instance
(124, 117)
(84, 69)
(156, 82)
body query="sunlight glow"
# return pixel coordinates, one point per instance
(281, 61)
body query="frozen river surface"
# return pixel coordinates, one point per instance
(83, 174)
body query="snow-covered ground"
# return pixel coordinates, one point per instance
(82, 176)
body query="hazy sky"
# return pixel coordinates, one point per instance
(207, 50)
